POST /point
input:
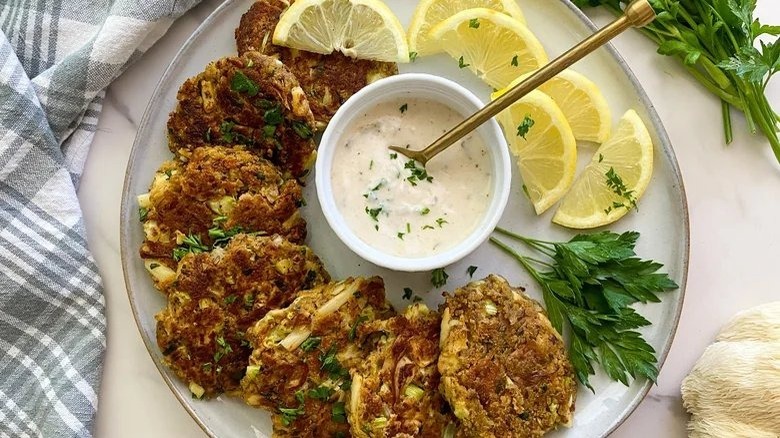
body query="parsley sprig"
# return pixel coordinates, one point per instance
(716, 40)
(588, 284)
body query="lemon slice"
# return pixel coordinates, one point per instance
(364, 29)
(495, 46)
(547, 155)
(623, 164)
(581, 102)
(428, 13)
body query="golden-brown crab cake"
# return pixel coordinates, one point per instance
(218, 295)
(299, 368)
(504, 368)
(215, 194)
(252, 100)
(395, 391)
(328, 80)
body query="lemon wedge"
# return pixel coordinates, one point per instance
(582, 103)
(428, 13)
(541, 139)
(613, 181)
(364, 29)
(495, 46)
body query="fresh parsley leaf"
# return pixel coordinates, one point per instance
(441, 221)
(289, 415)
(514, 62)
(471, 270)
(226, 129)
(616, 184)
(474, 23)
(525, 126)
(143, 213)
(403, 108)
(230, 299)
(221, 237)
(408, 292)
(425, 211)
(417, 173)
(412, 56)
(374, 212)
(242, 84)
(273, 116)
(321, 392)
(338, 413)
(191, 243)
(393, 156)
(461, 64)
(311, 343)
(593, 280)
(223, 348)
(439, 277)
(332, 366)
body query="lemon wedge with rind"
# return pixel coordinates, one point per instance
(363, 29)
(582, 103)
(547, 156)
(493, 45)
(591, 202)
(428, 13)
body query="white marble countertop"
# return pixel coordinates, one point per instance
(732, 194)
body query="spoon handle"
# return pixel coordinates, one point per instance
(637, 14)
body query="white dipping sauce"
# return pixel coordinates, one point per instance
(403, 211)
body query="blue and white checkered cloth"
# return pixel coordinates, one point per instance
(56, 59)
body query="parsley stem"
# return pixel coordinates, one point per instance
(539, 245)
(522, 259)
(724, 106)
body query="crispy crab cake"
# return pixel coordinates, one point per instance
(218, 295)
(328, 80)
(252, 100)
(395, 391)
(504, 368)
(215, 194)
(299, 369)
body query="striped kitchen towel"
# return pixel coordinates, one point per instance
(56, 59)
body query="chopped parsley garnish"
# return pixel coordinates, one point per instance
(273, 116)
(412, 56)
(206, 367)
(461, 64)
(269, 131)
(514, 61)
(393, 156)
(242, 84)
(408, 228)
(418, 174)
(471, 270)
(142, 213)
(249, 300)
(474, 23)
(230, 299)
(525, 190)
(154, 265)
(403, 108)
(190, 244)
(311, 343)
(615, 183)
(374, 212)
(425, 211)
(353, 329)
(320, 393)
(441, 221)
(400, 235)
(408, 292)
(427, 227)
(223, 348)
(525, 126)
(168, 173)
(338, 413)
(302, 129)
(371, 165)
(291, 414)
(416, 299)
(226, 129)
(332, 366)
(601, 158)
(439, 277)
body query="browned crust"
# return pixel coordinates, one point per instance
(328, 80)
(180, 200)
(406, 354)
(505, 375)
(212, 111)
(219, 295)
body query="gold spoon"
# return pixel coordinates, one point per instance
(637, 14)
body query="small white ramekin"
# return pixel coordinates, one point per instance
(419, 86)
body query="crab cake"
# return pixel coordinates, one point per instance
(218, 295)
(215, 194)
(252, 100)
(395, 391)
(328, 80)
(504, 368)
(299, 368)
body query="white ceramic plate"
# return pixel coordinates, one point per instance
(662, 219)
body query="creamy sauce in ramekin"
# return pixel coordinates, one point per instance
(394, 204)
